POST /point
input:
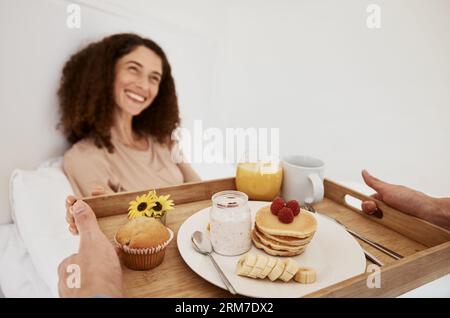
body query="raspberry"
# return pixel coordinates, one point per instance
(276, 205)
(285, 215)
(294, 206)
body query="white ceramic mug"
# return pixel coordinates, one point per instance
(302, 179)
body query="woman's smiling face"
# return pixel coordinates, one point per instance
(138, 75)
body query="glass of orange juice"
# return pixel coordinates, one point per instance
(259, 177)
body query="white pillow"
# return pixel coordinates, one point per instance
(38, 209)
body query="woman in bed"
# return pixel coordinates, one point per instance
(119, 109)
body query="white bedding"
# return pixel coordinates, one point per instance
(38, 210)
(18, 276)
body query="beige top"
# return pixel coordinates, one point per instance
(126, 169)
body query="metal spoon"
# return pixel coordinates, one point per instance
(203, 245)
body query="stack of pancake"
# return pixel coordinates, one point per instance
(280, 239)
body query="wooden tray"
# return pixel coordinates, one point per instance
(425, 247)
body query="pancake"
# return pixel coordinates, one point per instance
(270, 251)
(287, 240)
(275, 245)
(303, 226)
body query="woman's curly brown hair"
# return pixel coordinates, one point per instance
(86, 98)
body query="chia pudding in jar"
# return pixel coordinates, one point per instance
(230, 223)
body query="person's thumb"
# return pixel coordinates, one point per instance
(372, 182)
(85, 219)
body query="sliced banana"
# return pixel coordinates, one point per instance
(290, 269)
(245, 264)
(271, 261)
(305, 275)
(277, 270)
(260, 265)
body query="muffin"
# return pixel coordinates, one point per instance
(143, 242)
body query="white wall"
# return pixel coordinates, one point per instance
(353, 96)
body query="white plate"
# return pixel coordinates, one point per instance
(333, 253)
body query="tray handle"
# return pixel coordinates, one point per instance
(416, 229)
(339, 193)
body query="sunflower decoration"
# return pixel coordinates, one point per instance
(150, 205)
(162, 205)
(141, 206)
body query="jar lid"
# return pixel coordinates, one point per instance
(229, 199)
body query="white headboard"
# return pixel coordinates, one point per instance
(35, 44)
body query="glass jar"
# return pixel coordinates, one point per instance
(230, 223)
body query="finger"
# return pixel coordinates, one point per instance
(73, 229)
(69, 216)
(86, 223)
(70, 200)
(377, 196)
(73, 232)
(71, 221)
(97, 190)
(369, 207)
(372, 182)
(96, 193)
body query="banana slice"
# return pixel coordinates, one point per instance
(277, 270)
(305, 275)
(269, 266)
(245, 264)
(260, 265)
(290, 269)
